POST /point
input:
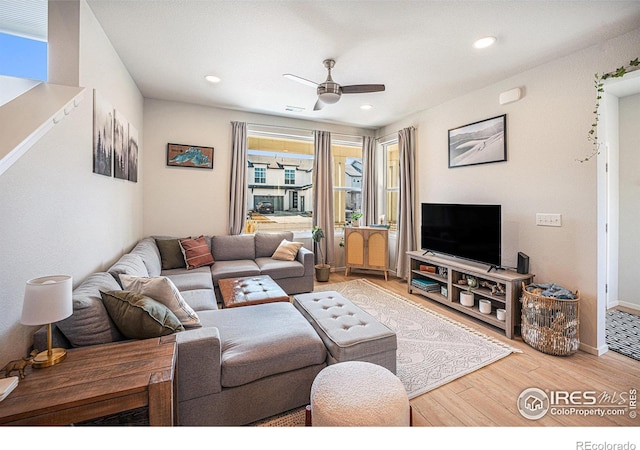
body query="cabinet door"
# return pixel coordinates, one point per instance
(354, 248)
(377, 250)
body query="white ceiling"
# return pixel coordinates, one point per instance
(421, 50)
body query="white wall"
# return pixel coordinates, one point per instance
(629, 233)
(546, 133)
(183, 201)
(56, 216)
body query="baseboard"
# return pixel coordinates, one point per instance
(597, 351)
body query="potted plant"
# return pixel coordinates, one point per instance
(322, 269)
(466, 297)
(355, 219)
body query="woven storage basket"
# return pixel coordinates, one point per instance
(549, 324)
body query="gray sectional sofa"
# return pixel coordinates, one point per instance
(241, 364)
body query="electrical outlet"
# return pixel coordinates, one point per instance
(548, 220)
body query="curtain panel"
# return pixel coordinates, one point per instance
(406, 238)
(238, 188)
(369, 181)
(323, 193)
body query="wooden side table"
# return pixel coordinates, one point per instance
(98, 382)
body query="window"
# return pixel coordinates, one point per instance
(259, 175)
(391, 183)
(289, 176)
(347, 179)
(280, 194)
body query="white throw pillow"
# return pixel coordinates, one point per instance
(164, 291)
(287, 250)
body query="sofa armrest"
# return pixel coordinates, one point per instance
(199, 363)
(305, 256)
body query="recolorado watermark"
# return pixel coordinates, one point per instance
(534, 403)
(589, 445)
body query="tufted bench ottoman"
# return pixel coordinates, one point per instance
(348, 332)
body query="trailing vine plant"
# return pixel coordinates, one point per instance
(599, 80)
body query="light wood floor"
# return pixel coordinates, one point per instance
(487, 397)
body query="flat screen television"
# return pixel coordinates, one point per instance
(468, 231)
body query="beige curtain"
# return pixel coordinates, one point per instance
(323, 192)
(369, 181)
(406, 238)
(238, 188)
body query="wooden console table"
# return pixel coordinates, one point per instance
(99, 382)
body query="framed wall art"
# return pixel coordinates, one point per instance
(479, 142)
(102, 135)
(189, 156)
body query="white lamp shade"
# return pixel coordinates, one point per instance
(47, 300)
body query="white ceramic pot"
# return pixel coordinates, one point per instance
(466, 298)
(501, 314)
(485, 306)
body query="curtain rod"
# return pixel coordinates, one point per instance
(302, 129)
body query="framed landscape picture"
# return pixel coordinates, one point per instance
(189, 156)
(102, 135)
(479, 142)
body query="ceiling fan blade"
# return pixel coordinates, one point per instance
(300, 79)
(362, 88)
(318, 106)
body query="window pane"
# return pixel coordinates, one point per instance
(347, 181)
(280, 194)
(392, 182)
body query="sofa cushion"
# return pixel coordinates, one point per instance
(129, 264)
(267, 243)
(234, 269)
(90, 323)
(253, 348)
(233, 247)
(148, 250)
(193, 279)
(171, 256)
(200, 299)
(287, 250)
(277, 269)
(164, 291)
(197, 253)
(138, 316)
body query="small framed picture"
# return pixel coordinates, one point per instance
(479, 142)
(190, 156)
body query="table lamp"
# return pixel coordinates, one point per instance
(47, 300)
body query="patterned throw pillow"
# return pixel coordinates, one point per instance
(287, 250)
(196, 252)
(138, 316)
(162, 290)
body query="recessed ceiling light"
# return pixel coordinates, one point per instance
(485, 42)
(366, 107)
(212, 79)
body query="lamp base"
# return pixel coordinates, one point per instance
(49, 358)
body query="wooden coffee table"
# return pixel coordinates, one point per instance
(247, 291)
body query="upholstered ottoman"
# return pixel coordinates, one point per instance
(348, 332)
(357, 393)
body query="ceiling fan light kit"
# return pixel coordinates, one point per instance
(329, 92)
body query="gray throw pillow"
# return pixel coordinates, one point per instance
(170, 254)
(138, 316)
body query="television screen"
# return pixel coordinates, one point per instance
(465, 231)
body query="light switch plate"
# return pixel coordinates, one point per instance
(548, 220)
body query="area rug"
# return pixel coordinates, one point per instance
(623, 333)
(432, 349)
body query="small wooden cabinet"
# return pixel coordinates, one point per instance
(366, 248)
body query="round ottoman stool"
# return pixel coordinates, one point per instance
(356, 393)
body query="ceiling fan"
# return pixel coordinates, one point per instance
(329, 92)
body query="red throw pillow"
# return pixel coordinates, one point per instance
(196, 252)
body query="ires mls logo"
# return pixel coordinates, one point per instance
(533, 403)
